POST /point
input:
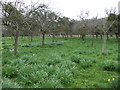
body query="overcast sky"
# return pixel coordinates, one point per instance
(72, 8)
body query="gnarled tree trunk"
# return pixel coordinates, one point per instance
(101, 36)
(16, 42)
(31, 37)
(104, 44)
(92, 39)
(107, 36)
(43, 39)
(96, 35)
(53, 38)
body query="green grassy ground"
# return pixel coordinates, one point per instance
(0, 63)
(69, 63)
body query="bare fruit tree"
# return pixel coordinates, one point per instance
(106, 26)
(41, 14)
(93, 24)
(53, 18)
(83, 19)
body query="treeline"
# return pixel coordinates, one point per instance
(40, 20)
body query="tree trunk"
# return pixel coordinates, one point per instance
(43, 38)
(71, 35)
(83, 37)
(16, 42)
(31, 37)
(116, 34)
(92, 39)
(96, 35)
(101, 36)
(53, 38)
(104, 44)
(107, 36)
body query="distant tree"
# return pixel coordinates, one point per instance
(61, 26)
(41, 14)
(65, 25)
(100, 27)
(93, 25)
(33, 26)
(83, 19)
(114, 28)
(71, 25)
(53, 18)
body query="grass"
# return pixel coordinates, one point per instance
(0, 63)
(70, 63)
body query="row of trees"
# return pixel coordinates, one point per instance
(19, 20)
